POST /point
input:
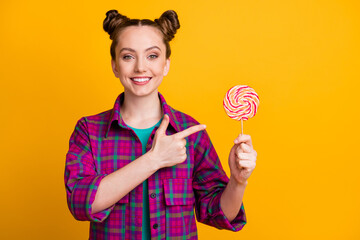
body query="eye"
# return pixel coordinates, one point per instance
(153, 56)
(127, 57)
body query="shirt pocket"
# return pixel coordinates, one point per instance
(178, 191)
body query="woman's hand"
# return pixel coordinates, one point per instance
(169, 150)
(242, 159)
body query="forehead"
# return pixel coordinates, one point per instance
(140, 37)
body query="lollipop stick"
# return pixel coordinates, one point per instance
(242, 127)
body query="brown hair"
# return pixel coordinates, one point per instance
(114, 23)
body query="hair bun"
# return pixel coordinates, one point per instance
(169, 24)
(112, 20)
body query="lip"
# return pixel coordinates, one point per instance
(141, 78)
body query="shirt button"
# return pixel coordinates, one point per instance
(153, 195)
(155, 226)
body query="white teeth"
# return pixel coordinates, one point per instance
(140, 79)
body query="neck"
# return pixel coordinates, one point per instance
(141, 112)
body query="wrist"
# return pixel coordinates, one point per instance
(151, 160)
(236, 183)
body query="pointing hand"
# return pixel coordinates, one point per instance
(169, 150)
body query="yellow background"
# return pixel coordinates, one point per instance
(302, 58)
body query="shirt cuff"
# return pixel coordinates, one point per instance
(82, 198)
(221, 221)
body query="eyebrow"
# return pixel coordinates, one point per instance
(132, 50)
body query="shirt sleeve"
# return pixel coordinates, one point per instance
(209, 183)
(81, 179)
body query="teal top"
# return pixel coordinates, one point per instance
(143, 135)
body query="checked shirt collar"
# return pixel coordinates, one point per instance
(116, 115)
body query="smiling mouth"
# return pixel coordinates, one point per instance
(141, 79)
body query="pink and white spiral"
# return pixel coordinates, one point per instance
(241, 102)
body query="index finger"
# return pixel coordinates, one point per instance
(243, 138)
(190, 130)
(244, 147)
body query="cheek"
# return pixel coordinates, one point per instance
(125, 69)
(160, 69)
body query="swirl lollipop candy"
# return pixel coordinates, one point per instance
(241, 103)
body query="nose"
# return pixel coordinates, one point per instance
(139, 65)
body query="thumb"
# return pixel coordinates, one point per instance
(163, 125)
(232, 156)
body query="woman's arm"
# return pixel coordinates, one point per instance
(112, 187)
(231, 199)
(166, 151)
(242, 161)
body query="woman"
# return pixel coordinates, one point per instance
(138, 170)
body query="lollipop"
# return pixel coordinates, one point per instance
(241, 103)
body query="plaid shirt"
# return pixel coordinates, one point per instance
(103, 143)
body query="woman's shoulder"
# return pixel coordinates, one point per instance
(101, 116)
(95, 121)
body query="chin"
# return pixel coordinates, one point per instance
(143, 93)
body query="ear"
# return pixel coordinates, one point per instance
(167, 67)
(113, 65)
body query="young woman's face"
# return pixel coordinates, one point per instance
(140, 62)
